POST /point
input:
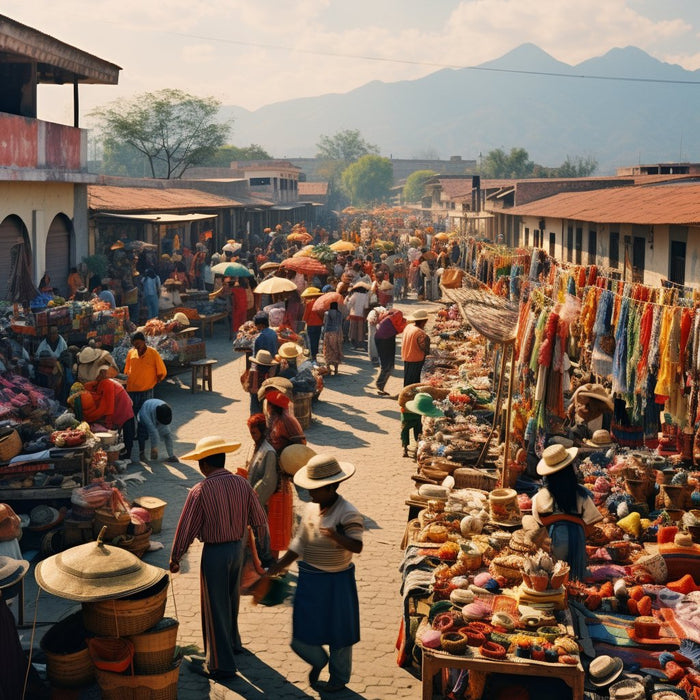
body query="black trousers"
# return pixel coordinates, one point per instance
(411, 372)
(386, 349)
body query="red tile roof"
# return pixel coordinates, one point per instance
(146, 199)
(312, 188)
(649, 204)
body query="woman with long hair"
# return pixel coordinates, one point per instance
(564, 507)
(262, 466)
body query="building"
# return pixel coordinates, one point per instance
(43, 166)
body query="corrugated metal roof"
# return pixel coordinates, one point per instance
(641, 204)
(145, 199)
(160, 218)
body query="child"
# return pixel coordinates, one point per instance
(155, 417)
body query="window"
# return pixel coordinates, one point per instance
(638, 253)
(569, 242)
(614, 249)
(676, 266)
(579, 244)
(592, 244)
(552, 244)
(259, 181)
(527, 237)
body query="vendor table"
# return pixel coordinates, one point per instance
(208, 322)
(479, 668)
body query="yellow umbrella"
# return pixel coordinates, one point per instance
(275, 285)
(343, 246)
(441, 236)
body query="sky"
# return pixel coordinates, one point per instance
(252, 53)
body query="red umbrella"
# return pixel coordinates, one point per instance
(306, 266)
(323, 303)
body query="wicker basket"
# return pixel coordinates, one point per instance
(156, 509)
(468, 478)
(160, 686)
(73, 669)
(137, 544)
(111, 653)
(154, 649)
(116, 524)
(127, 616)
(10, 445)
(513, 575)
(302, 408)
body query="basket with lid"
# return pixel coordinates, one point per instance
(155, 507)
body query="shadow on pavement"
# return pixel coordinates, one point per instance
(259, 680)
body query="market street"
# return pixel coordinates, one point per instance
(349, 418)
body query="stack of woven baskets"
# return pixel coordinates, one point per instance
(131, 647)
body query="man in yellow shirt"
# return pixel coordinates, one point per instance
(144, 368)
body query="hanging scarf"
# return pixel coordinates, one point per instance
(619, 367)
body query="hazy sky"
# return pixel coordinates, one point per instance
(255, 52)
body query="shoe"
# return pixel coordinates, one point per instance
(212, 674)
(142, 456)
(381, 392)
(173, 460)
(331, 687)
(154, 453)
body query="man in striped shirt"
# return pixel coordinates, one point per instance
(218, 511)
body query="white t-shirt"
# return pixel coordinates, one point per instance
(543, 502)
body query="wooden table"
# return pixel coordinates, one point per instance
(479, 668)
(209, 321)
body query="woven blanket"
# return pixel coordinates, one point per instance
(613, 629)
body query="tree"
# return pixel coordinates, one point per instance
(368, 180)
(170, 128)
(414, 189)
(345, 146)
(499, 164)
(577, 167)
(225, 155)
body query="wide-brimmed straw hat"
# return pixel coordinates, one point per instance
(417, 315)
(89, 354)
(604, 670)
(600, 438)
(269, 266)
(311, 292)
(211, 445)
(95, 571)
(294, 457)
(322, 470)
(555, 458)
(424, 405)
(180, 318)
(12, 571)
(627, 690)
(263, 357)
(594, 391)
(281, 384)
(290, 350)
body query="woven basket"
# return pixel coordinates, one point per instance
(127, 616)
(513, 576)
(468, 478)
(10, 446)
(116, 524)
(137, 544)
(68, 670)
(160, 686)
(154, 649)
(111, 653)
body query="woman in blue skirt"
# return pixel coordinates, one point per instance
(326, 607)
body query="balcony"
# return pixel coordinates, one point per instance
(35, 150)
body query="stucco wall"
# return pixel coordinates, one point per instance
(37, 204)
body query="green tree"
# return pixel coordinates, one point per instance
(368, 180)
(577, 167)
(499, 164)
(345, 146)
(225, 155)
(170, 128)
(414, 189)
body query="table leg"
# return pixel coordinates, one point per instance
(477, 682)
(428, 670)
(193, 386)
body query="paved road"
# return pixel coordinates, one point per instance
(349, 418)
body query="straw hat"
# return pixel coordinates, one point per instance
(10, 524)
(600, 438)
(322, 470)
(683, 539)
(263, 357)
(423, 404)
(211, 445)
(294, 457)
(88, 355)
(165, 256)
(290, 350)
(310, 292)
(604, 670)
(281, 384)
(176, 257)
(180, 318)
(555, 458)
(11, 571)
(95, 571)
(417, 315)
(170, 282)
(43, 517)
(269, 266)
(386, 286)
(627, 690)
(594, 391)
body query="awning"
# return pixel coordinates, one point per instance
(159, 218)
(288, 207)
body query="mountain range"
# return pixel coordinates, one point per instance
(525, 99)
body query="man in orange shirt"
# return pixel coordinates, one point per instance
(144, 368)
(415, 346)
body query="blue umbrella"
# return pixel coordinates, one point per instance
(231, 269)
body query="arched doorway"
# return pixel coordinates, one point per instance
(11, 229)
(58, 253)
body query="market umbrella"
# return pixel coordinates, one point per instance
(231, 269)
(343, 246)
(232, 247)
(305, 252)
(275, 285)
(441, 236)
(299, 237)
(323, 303)
(305, 266)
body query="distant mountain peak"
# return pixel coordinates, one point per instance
(528, 57)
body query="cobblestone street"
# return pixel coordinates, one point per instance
(348, 417)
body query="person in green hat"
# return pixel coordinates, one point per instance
(412, 417)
